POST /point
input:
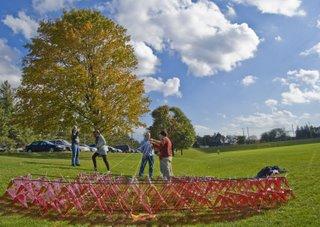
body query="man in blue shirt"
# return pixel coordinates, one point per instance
(147, 157)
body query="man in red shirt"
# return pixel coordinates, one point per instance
(164, 147)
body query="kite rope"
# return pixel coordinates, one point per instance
(123, 159)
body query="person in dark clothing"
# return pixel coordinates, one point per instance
(75, 146)
(270, 171)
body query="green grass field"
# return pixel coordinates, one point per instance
(302, 162)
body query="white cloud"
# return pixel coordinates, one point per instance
(248, 80)
(271, 102)
(44, 6)
(284, 7)
(313, 50)
(294, 95)
(275, 119)
(22, 24)
(261, 122)
(303, 86)
(215, 44)
(318, 24)
(8, 60)
(168, 88)
(203, 130)
(311, 77)
(147, 61)
(278, 38)
(231, 12)
(283, 81)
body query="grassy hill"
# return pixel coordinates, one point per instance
(302, 162)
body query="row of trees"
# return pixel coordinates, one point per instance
(307, 131)
(218, 139)
(11, 133)
(277, 134)
(274, 135)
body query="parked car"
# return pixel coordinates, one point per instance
(124, 148)
(110, 149)
(38, 146)
(63, 143)
(92, 147)
(114, 150)
(84, 147)
(20, 149)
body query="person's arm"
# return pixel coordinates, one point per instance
(142, 147)
(155, 142)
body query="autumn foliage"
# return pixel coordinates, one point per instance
(79, 70)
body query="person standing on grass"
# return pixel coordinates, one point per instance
(75, 149)
(147, 155)
(102, 150)
(164, 146)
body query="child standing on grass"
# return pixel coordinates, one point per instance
(147, 156)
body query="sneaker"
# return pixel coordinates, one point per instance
(95, 169)
(77, 164)
(108, 172)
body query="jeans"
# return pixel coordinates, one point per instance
(166, 167)
(75, 154)
(144, 161)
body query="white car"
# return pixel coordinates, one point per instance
(84, 147)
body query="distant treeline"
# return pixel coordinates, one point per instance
(237, 147)
(274, 135)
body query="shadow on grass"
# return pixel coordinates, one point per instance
(98, 218)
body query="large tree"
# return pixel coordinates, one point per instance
(80, 70)
(175, 122)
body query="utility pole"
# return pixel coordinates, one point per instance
(248, 131)
(242, 131)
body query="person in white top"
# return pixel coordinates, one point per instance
(102, 150)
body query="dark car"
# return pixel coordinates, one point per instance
(114, 150)
(63, 143)
(39, 146)
(124, 148)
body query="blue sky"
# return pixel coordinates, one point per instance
(228, 65)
